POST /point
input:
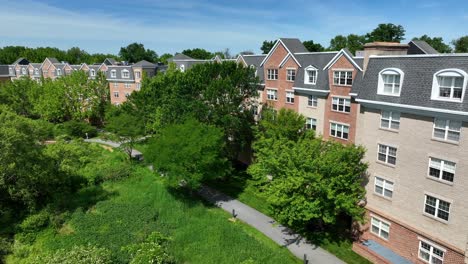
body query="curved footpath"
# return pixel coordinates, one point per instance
(268, 226)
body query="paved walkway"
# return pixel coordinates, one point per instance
(135, 153)
(280, 234)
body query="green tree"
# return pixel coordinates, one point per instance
(313, 47)
(267, 46)
(352, 42)
(200, 54)
(461, 44)
(163, 58)
(339, 42)
(306, 179)
(188, 154)
(76, 55)
(128, 129)
(436, 42)
(386, 32)
(9, 54)
(152, 250)
(20, 96)
(136, 52)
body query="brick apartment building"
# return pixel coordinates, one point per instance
(123, 78)
(406, 104)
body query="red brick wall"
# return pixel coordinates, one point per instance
(122, 90)
(281, 84)
(347, 118)
(403, 241)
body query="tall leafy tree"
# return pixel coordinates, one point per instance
(339, 42)
(386, 32)
(136, 52)
(461, 44)
(267, 46)
(198, 53)
(20, 96)
(313, 47)
(76, 55)
(189, 153)
(163, 58)
(128, 129)
(436, 42)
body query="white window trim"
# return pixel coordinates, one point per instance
(435, 84)
(344, 106)
(182, 68)
(59, 72)
(385, 180)
(447, 129)
(390, 120)
(380, 89)
(438, 197)
(113, 74)
(387, 154)
(442, 166)
(277, 74)
(123, 75)
(380, 227)
(312, 120)
(137, 74)
(289, 92)
(306, 75)
(433, 245)
(314, 99)
(342, 70)
(276, 92)
(92, 72)
(343, 125)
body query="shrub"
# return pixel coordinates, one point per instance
(76, 129)
(152, 250)
(77, 255)
(35, 222)
(5, 246)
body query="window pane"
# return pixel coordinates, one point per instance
(458, 82)
(384, 234)
(455, 125)
(438, 133)
(443, 215)
(431, 200)
(392, 160)
(395, 125)
(388, 193)
(429, 209)
(385, 123)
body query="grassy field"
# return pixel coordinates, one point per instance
(240, 187)
(127, 211)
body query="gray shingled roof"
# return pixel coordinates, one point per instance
(110, 61)
(317, 60)
(4, 72)
(256, 60)
(420, 47)
(144, 63)
(294, 45)
(53, 60)
(417, 82)
(179, 56)
(118, 71)
(21, 61)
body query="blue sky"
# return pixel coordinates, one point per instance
(173, 25)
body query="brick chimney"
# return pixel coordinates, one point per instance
(383, 48)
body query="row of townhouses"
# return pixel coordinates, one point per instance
(405, 103)
(123, 78)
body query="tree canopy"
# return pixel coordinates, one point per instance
(313, 47)
(136, 52)
(267, 46)
(436, 42)
(198, 53)
(461, 44)
(386, 32)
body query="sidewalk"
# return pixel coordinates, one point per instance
(281, 235)
(135, 153)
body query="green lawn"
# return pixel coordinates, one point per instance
(333, 240)
(130, 209)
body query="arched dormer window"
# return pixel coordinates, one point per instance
(36, 71)
(93, 72)
(125, 74)
(182, 68)
(59, 72)
(310, 75)
(390, 82)
(23, 71)
(449, 85)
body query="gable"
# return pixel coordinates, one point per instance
(341, 57)
(278, 50)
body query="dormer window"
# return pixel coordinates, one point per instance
(390, 82)
(23, 71)
(344, 78)
(125, 74)
(449, 85)
(182, 68)
(93, 73)
(113, 74)
(310, 75)
(36, 71)
(59, 72)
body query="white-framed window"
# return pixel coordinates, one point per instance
(390, 120)
(59, 72)
(431, 253)
(310, 75)
(23, 71)
(437, 208)
(113, 74)
(342, 77)
(138, 86)
(116, 94)
(125, 74)
(116, 85)
(93, 72)
(341, 104)
(137, 74)
(390, 82)
(182, 68)
(383, 187)
(290, 97)
(312, 101)
(449, 85)
(380, 228)
(339, 130)
(443, 170)
(36, 71)
(311, 123)
(272, 74)
(291, 75)
(446, 129)
(11, 71)
(387, 154)
(128, 85)
(272, 94)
